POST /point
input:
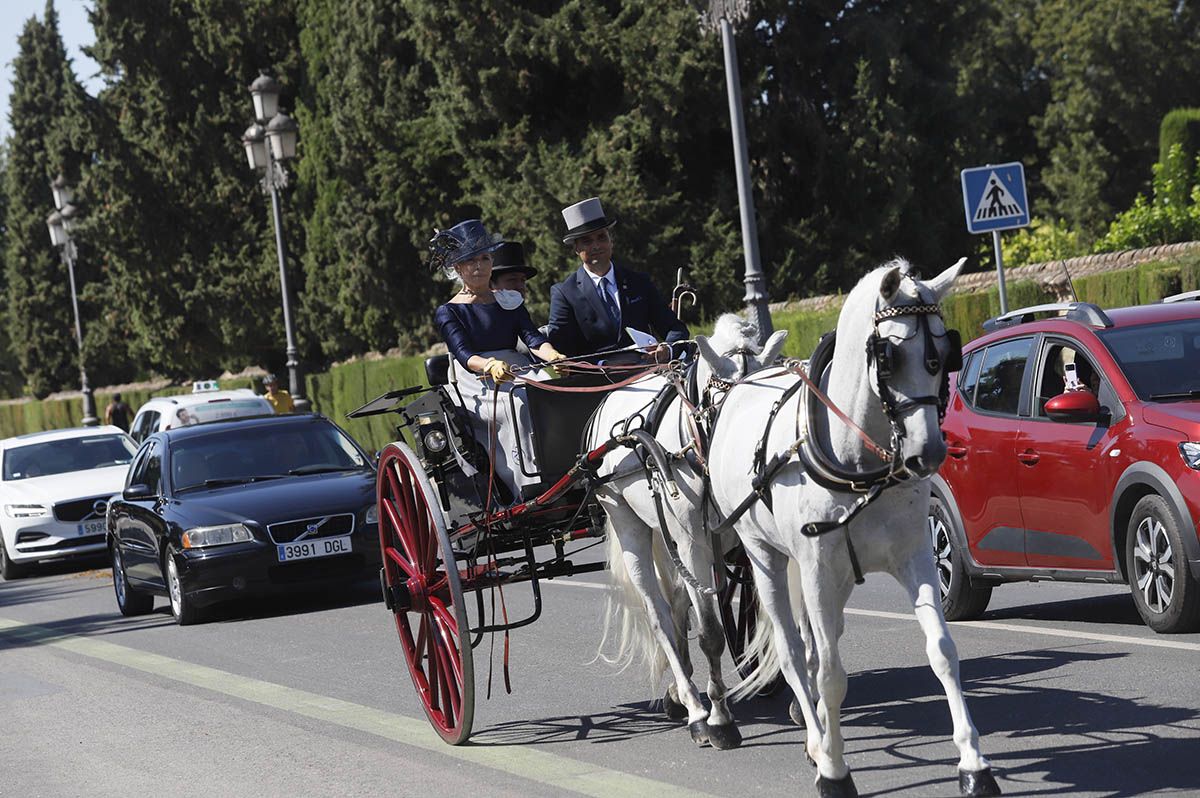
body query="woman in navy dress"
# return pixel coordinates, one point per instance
(481, 328)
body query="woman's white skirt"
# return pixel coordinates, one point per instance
(508, 440)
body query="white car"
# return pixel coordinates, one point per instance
(206, 402)
(54, 494)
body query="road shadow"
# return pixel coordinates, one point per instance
(616, 725)
(300, 600)
(96, 625)
(1071, 741)
(1114, 609)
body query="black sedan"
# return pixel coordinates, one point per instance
(234, 508)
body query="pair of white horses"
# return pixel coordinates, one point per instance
(647, 624)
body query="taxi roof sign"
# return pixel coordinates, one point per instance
(994, 197)
(205, 386)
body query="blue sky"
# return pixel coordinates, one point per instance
(76, 33)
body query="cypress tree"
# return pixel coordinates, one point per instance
(39, 317)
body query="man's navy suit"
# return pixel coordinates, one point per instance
(580, 324)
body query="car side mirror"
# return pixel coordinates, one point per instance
(1074, 406)
(138, 492)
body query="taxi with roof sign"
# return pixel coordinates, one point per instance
(207, 402)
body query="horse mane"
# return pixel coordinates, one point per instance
(732, 332)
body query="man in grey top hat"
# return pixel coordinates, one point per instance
(590, 310)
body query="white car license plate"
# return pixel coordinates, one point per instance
(90, 528)
(307, 549)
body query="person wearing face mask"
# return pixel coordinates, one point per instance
(481, 328)
(590, 310)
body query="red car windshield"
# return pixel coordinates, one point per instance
(1161, 361)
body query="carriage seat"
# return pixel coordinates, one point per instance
(437, 370)
(558, 422)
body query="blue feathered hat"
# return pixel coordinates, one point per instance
(461, 242)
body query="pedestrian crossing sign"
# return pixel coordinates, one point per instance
(994, 197)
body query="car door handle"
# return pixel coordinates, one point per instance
(1029, 457)
(956, 451)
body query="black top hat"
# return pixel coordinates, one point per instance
(510, 257)
(585, 217)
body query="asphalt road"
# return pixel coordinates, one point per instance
(308, 696)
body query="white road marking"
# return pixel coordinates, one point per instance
(527, 762)
(1048, 631)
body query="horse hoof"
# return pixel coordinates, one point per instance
(977, 783)
(724, 737)
(841, 788)
(700, 733)
(795, 714)
(674, 709)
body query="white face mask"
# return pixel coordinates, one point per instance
(508, 299)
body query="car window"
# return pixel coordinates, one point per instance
(262, 452)
(148, 469)
(1000, 376)
(1159, 360)
(1062, 360)
(968, 377)
(66, 455)
(143, 425)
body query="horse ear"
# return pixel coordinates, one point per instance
(890, 284)
(708, 353)
(940, 285)
(772, 348)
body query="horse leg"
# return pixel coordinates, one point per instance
(679, 615)
(697, 557)
(919, 577)
(637, 553)
(825, 599)
(770, 580)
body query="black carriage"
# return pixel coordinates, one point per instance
(434, 509)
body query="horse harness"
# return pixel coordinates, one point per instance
(884, 355)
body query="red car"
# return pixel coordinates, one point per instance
(1074, 456)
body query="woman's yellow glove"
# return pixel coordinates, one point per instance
(498, 370)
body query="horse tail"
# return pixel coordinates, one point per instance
(761, 650)
(627, 639)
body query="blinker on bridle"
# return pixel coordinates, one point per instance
(885, 354)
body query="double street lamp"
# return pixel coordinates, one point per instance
(270, 142)
(59, 223)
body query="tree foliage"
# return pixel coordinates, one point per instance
(416, 114)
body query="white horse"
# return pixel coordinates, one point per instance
(647, 610)
(886, 375)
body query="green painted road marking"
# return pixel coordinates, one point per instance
(528, 763)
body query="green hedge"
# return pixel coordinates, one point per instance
(20, 417)
(350, 385)
(1180, 127)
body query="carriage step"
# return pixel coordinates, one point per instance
(395, 597)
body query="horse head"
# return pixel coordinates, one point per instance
(733, 351)
(909, 354)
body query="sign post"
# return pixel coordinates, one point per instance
(994, 199)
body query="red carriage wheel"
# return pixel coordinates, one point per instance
(739, 611)
(422, 588)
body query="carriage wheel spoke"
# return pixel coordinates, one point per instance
(403, 496)
(398, 559)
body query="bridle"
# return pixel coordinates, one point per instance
(884, 355)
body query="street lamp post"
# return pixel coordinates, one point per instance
(59, 224)
(267, 148)
(722, 16)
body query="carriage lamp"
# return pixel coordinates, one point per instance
(1191, 454)
(200, 536)
(435, 441)
(25, 510)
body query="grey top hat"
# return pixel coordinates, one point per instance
(510, 257)
(585, 217)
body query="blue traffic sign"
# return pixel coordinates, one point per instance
(994, 197)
